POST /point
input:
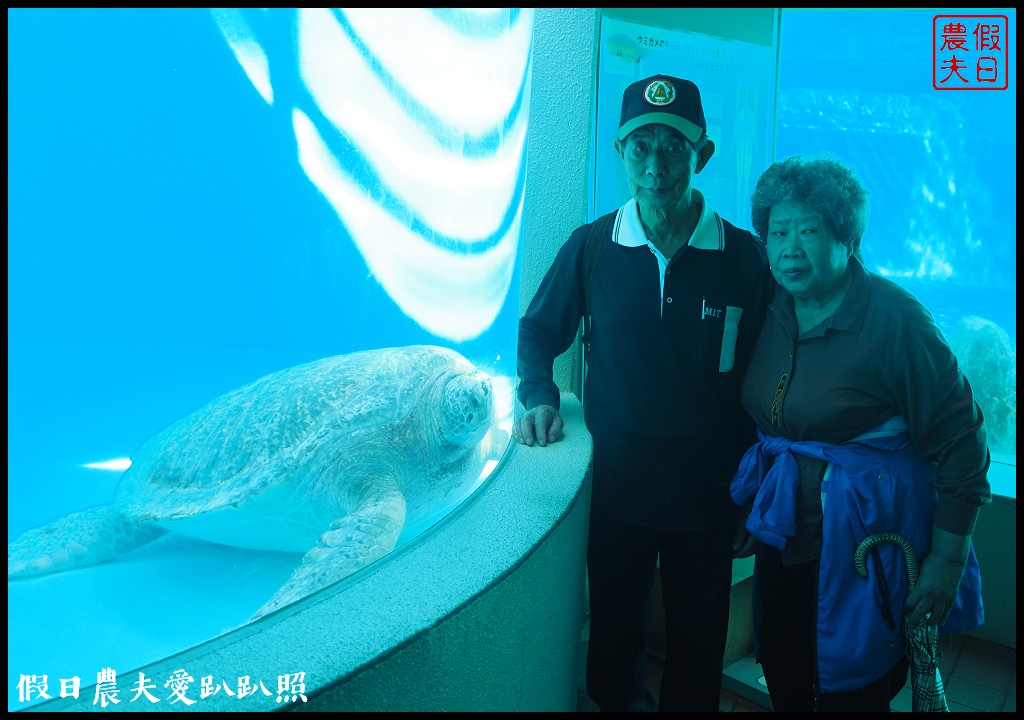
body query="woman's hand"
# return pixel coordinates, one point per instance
(932, 599)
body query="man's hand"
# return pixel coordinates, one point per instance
(539, 426)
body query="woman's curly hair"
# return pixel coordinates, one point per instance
(823, 182)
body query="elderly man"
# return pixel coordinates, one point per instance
(675, 301)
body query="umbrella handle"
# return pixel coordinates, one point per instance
(886, 537)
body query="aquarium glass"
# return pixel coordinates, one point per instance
(940, 165)
(198, 199)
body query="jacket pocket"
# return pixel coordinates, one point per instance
(730, 332)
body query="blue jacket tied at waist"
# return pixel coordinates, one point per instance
(875, 483)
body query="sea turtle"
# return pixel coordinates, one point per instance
(330, 458)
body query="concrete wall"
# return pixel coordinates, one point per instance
(562, 117)
(995, 542)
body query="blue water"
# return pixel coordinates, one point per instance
(166, 245)
(940, 166)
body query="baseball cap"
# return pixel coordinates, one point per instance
(663, 100)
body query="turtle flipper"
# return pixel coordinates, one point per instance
(352, 542)
(77, 540)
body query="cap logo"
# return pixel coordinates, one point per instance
(660, 92)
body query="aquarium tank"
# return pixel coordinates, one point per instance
(940, 165)
(263, 270)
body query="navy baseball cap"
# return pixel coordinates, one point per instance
(663, 100)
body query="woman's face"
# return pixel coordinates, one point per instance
(806, 258)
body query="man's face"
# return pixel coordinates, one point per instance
(660, 164)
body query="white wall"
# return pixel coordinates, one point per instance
(562, 106)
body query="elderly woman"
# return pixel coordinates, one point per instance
(866, 425)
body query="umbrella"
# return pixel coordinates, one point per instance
(922, 641)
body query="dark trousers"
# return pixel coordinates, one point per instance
(788, 599)
(696, 578)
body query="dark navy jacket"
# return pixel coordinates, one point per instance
(662, 387)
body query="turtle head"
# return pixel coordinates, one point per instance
(467, 409)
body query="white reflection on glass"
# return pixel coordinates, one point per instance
(421, 154)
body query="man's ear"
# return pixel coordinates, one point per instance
(618, 147)
(705, 154)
